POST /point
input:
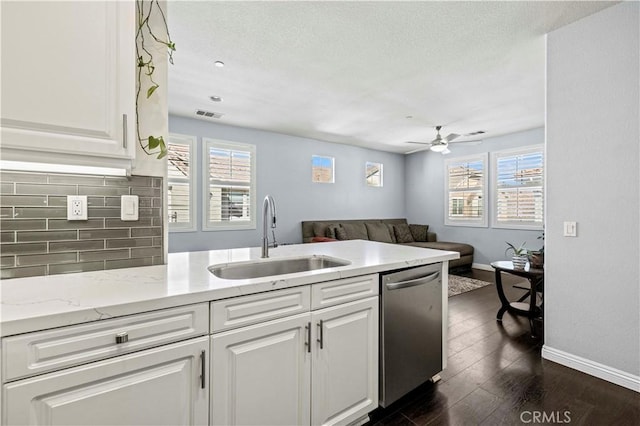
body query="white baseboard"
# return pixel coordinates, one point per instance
(592, 368)
(482, 267)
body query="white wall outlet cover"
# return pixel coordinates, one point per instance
(129, 207)
(77, 207)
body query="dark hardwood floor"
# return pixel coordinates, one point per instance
(496, 376)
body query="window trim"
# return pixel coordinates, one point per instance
(191, 141)
(235, 146)
(494, 186)
(483, 221)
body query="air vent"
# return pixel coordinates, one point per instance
(208, 114)
(479, 132)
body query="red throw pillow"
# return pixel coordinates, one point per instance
(322, 239)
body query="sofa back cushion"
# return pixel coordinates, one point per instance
(403, 233)
(378, 231)
(355, 231)
(419, 232)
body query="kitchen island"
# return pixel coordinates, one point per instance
(69, 340)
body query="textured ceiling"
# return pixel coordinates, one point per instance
(352, 72)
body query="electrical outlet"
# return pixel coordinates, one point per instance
(77, 207)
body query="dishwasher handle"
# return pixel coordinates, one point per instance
(413, 283)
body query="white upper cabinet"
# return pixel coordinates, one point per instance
(68, 82)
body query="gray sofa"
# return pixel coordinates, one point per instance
(385, 230)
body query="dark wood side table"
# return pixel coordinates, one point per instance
(536, 280)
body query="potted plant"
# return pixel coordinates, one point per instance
(519, 255)
(536, 257)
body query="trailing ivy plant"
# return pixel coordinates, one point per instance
(151, 144)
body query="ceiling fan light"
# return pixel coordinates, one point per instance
(438, 147)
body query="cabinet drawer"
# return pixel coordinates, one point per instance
(332, 293)
(245, 310)
(39, 352)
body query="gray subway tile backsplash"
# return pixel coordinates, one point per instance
(76, 245)
(29, 271)
(45, 189)
(25, 200)
(7, 237)
(37, 239)
(130, 242)
(89, 234)
(27, 236)
(45, 259)
(24, 248)
(23, 224)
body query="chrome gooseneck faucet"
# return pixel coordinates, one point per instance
(268, 207)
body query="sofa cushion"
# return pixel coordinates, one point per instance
(463, 249)
(391, 232)
(403, 233)
(341, 233)
(328, 230)
(355, 231)
(319, 229)
(419, 232)
(378, 231)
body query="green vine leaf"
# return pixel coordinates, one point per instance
(154, 142)
(151, 145)
(150, 92)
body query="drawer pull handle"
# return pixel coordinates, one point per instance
(122, 337)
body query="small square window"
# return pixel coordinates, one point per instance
(373, 173)
(322, 169)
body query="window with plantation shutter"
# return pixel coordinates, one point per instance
(518, 188)
(465, 191)
(180, 183)
(230, 185)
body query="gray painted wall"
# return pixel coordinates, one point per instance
(592, 299)
(425, 197)
(284, 171)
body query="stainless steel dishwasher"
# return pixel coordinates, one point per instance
(410, 330)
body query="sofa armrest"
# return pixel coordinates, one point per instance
(432, 237)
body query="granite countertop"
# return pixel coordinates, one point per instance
(36, 303)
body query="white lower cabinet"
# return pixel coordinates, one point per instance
(345, 362)
(160, 386)
(260, 375)
(318, 368)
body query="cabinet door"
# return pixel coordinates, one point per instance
(161, 386)
(261, 374)
(345, 362)
(68, 77)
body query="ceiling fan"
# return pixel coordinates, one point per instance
(440, 144)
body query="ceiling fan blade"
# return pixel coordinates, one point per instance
(451, 136)
(420, 143)
(476, 141)
(426, 148)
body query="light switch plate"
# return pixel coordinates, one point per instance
(129, 207)
(77, 207)
(570, 229)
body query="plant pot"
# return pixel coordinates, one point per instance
(519, 262)
(536, 259)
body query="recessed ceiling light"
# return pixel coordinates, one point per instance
(215, 98)
(409, 117)
(219, 64)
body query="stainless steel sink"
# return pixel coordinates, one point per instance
(270, 267)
